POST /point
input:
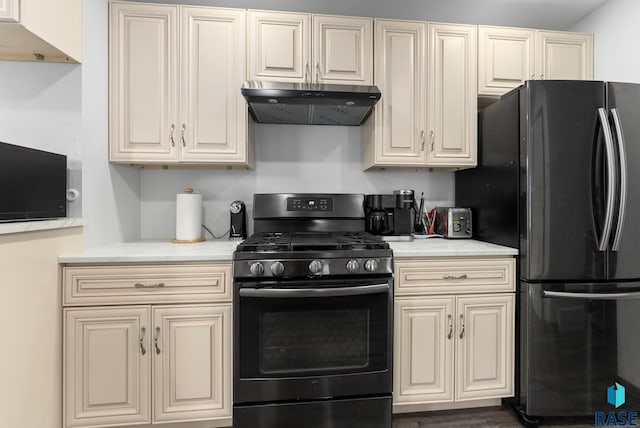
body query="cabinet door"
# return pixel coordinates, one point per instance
(279, 46)
(342, 50)
(143, 82)
(452, 90)
(423, 350)
(484, 357)
(213, 112)
(565, 56)
(506, 58)
(9, 11)
(107, 366)
(192, 362)
(395, 134)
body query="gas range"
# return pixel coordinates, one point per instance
(313, 316)
(300, 254)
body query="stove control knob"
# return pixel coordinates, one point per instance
(315, 267)
(353, 266)
(256, 269)
(277, 268)
(371, 265)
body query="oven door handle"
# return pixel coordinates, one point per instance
(591, 296)
(314, 292)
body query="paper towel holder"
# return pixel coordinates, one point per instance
(188, 241)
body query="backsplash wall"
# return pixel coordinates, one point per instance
(289, 158)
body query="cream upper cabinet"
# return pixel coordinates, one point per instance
(35, 30)
(506, 58)
(143, 82)
(509, 56)
(453, 331)
(452, 91)
(565, 56)
(175, 74)
(395, 134)
(279, 46)
(9, 10)
(304, 48)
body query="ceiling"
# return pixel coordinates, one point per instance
(543, 14)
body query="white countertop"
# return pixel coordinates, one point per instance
(441, 247)
(35, 225)
(164, 251)
(154, 251)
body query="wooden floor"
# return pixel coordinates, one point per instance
(500, 417)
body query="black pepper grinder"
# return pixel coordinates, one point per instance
(238, 221)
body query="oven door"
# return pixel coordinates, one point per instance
(312, 340)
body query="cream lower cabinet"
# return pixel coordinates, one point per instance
(175, 77)
(509, 56)
(454, 332)
(147, 363)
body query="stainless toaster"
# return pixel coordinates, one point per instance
(453, 222)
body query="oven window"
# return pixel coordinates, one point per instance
(317, 340)
(289, 337)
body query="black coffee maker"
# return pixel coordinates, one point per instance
(390, 214)
(238, 220)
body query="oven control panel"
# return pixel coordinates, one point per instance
(310, 204)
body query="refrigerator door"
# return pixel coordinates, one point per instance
(562, 168)
(624, 104)
(582, 339)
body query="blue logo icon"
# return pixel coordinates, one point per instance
(615, 395)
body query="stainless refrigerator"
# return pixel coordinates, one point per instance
(558, 177)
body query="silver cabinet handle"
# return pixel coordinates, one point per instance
(533, 76)
(622, 201)
(307, 72)
(153, 285)
(446, 276)
(461, 326)
(611, 179)
(432, 138)
(318, 72)
(422, 140)
(155, 340)
(450, 320)
(542, 77)
(184, 143)
(173, 142)
(143, 330)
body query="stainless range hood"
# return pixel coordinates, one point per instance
(309, 103)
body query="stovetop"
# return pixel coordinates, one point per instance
(312, 254)
(311, 241)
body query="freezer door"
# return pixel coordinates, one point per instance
(562, 168)
(624, 104)
(580, 340)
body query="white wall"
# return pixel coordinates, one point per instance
(289, 158)
(614, 25)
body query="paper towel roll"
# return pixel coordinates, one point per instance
(188, 217)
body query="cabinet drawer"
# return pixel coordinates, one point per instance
(146, 283)
(460, 275)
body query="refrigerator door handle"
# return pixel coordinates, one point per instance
(611, 180)
(591, 296)
(622, 201)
